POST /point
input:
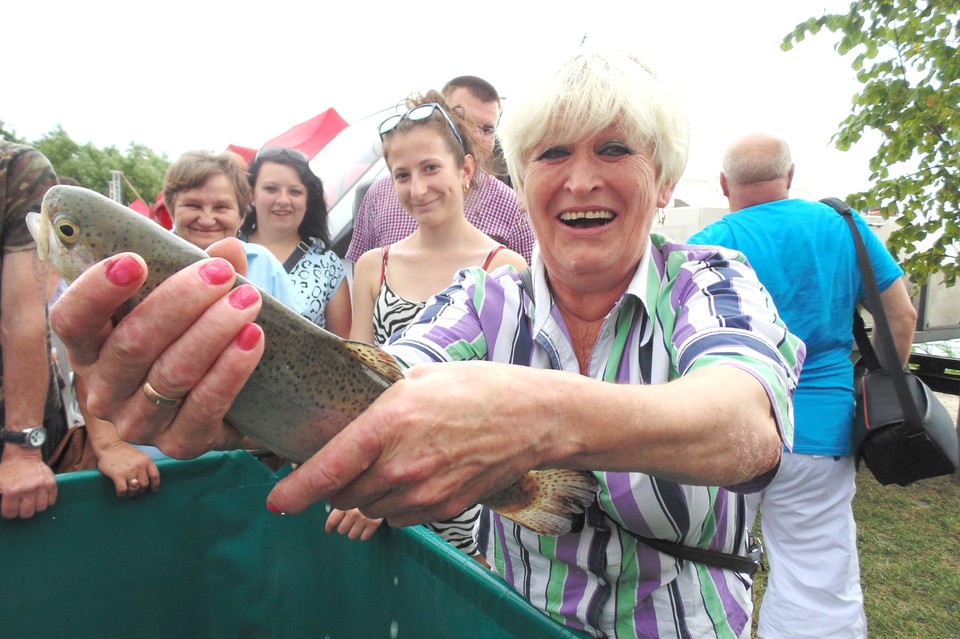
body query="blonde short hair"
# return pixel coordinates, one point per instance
(589, 93)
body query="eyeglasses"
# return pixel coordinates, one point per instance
(269, 152)
(417, 114)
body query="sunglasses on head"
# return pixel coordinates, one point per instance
(269, 152)
(417, 114)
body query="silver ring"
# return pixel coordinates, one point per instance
(157, 399)
(134, 483)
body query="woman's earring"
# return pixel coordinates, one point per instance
(660, 216)
(466, 187)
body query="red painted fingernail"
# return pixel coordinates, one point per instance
(217, 271)
(273, 508)
(124, 270)
(248, 337)
(244, 296)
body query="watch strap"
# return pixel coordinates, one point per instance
(21, 438)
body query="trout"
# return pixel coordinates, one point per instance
(309, 384)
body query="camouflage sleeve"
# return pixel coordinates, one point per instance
(25, 176)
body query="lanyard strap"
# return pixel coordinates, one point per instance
(748, 564)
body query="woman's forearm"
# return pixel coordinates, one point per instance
(712, 427)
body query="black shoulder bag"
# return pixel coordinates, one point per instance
(900, 428)
(747, 564)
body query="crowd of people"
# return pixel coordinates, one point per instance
(542, 322)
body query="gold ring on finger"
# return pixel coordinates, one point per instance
(157, 399)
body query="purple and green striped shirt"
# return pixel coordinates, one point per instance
(687, 307)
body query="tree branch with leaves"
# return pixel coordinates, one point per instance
(906, 58)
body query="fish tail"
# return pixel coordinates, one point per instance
(548, 502)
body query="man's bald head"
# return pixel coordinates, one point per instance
(756, 169)
(757, 158)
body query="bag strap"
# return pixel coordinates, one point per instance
(526, 281)
(298, 252)
(882, 328)
(715, 558)
(737, 563)
(867, 354)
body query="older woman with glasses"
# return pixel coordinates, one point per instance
(289, 217)
(662, 368)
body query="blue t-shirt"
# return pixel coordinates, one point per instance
(803, 252)
(266, 271)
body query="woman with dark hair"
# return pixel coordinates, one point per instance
(289, 218)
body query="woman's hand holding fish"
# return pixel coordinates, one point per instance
(431, 445)
(202, 346)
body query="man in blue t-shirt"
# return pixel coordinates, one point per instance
(803, 252)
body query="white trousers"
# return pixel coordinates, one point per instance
(813, 589)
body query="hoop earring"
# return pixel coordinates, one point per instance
(660, 216)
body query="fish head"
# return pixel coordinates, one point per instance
(62, 231)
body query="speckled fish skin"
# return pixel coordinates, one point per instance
(309, 384)
(291, 404)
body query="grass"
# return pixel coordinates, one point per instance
(909, 542)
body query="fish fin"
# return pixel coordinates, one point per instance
(548, 502)
(375, 358)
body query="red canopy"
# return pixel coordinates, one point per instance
(312, 135)
(309, 137)
(245, 152)
(140, 207)
(160, 213)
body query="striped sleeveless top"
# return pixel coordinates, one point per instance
(392, 313)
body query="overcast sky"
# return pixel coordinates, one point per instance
(182, 75)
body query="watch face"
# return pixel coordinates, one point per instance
(37, 437)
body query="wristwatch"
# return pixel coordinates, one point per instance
(33, 437)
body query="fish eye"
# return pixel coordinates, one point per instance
(68, 231)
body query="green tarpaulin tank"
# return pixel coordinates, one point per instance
(203, 557)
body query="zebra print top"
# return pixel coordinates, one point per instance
(392, 313)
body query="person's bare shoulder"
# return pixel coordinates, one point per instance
(366, 272)
(512, 258)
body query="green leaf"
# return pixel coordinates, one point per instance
(908, 68)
